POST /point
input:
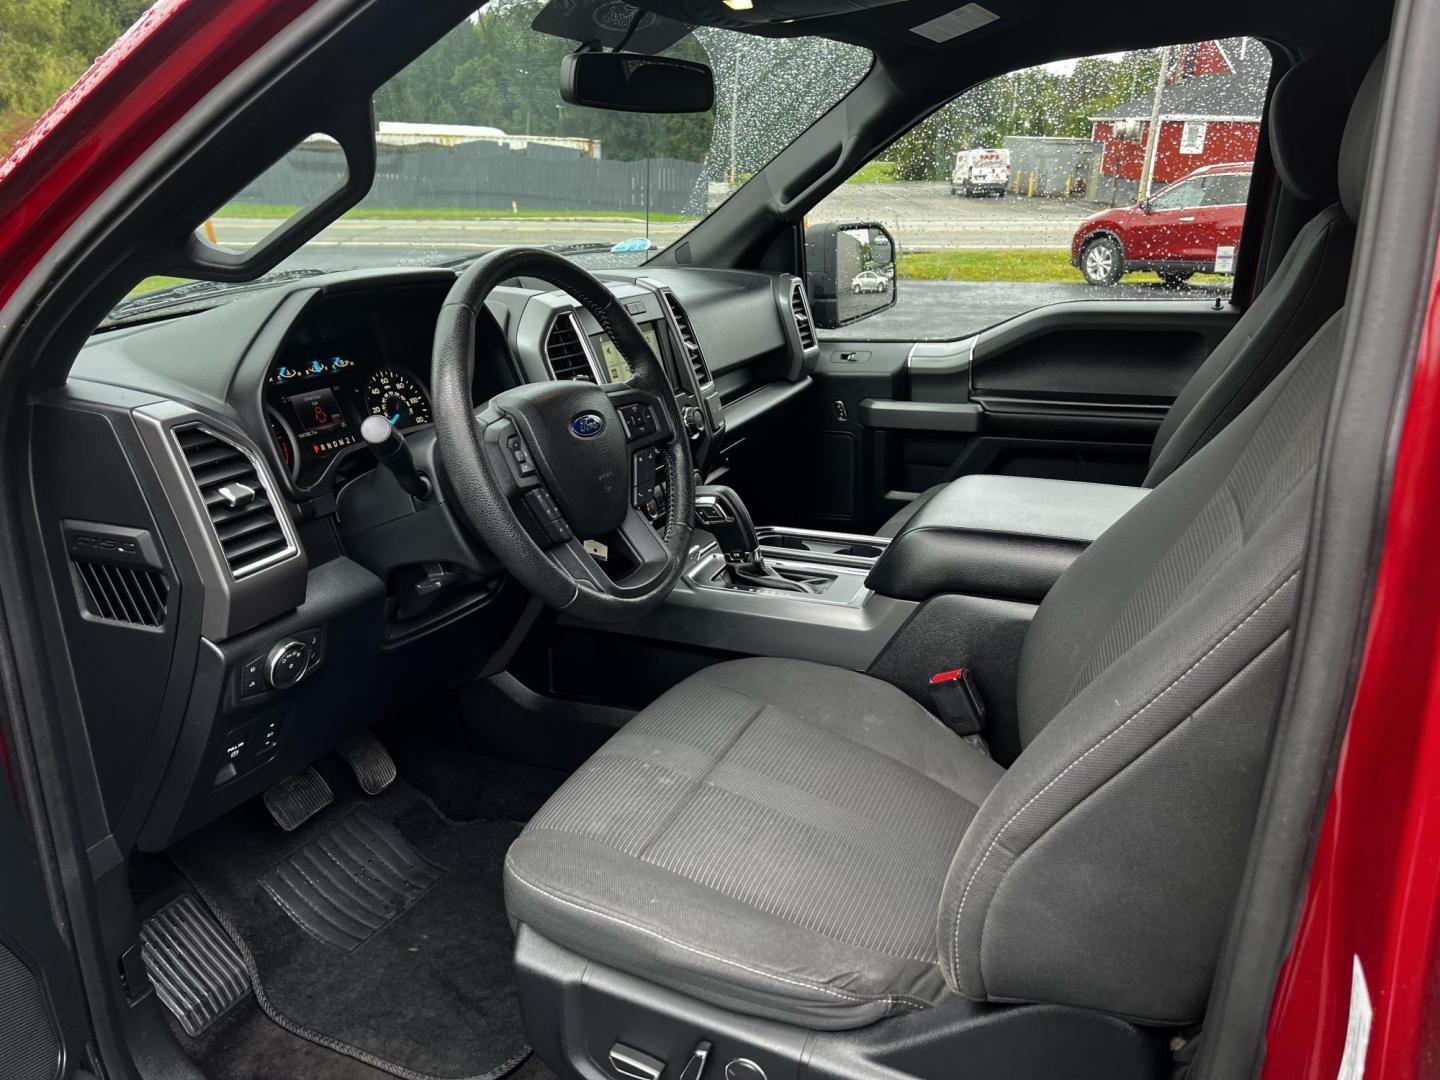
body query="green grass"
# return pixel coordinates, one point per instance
(1022, 265)
(425, 213)
(150, 284)
(875, 172)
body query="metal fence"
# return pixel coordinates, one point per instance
(489, 176)
(1053, 168)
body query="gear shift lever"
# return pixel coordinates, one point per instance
(720, 511)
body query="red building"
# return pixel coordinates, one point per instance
(1209, 114)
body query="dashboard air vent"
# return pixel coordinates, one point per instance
(123, 594)
(237, 502)
(565, 352)
(688, 340)
(800, 308)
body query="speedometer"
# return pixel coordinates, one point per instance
(396, 396)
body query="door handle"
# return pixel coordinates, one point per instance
(1190, 218)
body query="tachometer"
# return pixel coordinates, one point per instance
(395, 396)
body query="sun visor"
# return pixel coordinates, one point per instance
(608, 22)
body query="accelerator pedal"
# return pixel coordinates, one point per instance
(295, 800)
(372, 764)
(197, 972)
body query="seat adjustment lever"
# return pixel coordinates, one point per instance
(634, 1064)
(695, 1067)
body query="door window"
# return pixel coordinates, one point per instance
(1075, 158)
(1180, 196)
(1231, 189)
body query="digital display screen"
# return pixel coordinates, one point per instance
(317, 411)
(616, 367)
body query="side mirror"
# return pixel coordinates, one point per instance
(633, 82)
(850, 271)
(1146, 207)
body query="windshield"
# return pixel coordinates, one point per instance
(476, 150)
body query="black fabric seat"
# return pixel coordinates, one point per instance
(809, 845)
(1305, 289)
(804, 816)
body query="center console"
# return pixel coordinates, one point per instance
(956, 588)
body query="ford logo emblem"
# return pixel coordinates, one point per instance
(587, 425)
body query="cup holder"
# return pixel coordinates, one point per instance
(861, 551)
(783, 540)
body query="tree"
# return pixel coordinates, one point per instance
(1044, 101)
(45, 45)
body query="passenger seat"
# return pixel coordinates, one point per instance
(1306, 289)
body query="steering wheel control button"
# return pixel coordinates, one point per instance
(286, 664)
(638, 419)
(587, 425)
(520, 456)
(547, 515)
(631, 1064)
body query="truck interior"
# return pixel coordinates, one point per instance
(679, 693)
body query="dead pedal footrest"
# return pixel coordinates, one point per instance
(351, 881)
(372, 764)
(196, 970)
(295, 800)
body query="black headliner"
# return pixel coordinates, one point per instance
(1029, 32)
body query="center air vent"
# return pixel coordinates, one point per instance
(800, 308)
(565, 352)
(688, 340)
(237, 501)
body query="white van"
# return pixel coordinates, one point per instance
(981, 172)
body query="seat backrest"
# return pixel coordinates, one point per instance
(1101, 870)
(1306, 288)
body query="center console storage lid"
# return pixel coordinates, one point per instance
(1002, 536)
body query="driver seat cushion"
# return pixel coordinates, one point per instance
(771, 836)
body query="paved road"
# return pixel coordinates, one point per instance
(923, 216)
(926, 217)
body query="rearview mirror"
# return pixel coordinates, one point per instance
(850, 271)
(633, 82)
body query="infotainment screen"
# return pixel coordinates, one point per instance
(616, 367)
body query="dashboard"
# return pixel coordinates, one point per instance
(217, 458)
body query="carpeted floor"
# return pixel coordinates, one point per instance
(429, 994)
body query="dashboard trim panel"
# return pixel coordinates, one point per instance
(232, 604)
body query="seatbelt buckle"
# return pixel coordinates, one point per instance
(957, 701)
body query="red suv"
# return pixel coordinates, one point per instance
(1191, 226)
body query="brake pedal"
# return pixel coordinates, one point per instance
(371, 763)
(197, 972)
(297, 799)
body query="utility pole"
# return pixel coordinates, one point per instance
(1152, 136)
(734, 109)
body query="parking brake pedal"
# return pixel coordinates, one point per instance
(372, 764)
(197, 972)
(295, 800)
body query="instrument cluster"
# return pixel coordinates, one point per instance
(316, 399)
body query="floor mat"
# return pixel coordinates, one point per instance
(428, 990)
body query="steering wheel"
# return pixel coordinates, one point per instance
(542, 468)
